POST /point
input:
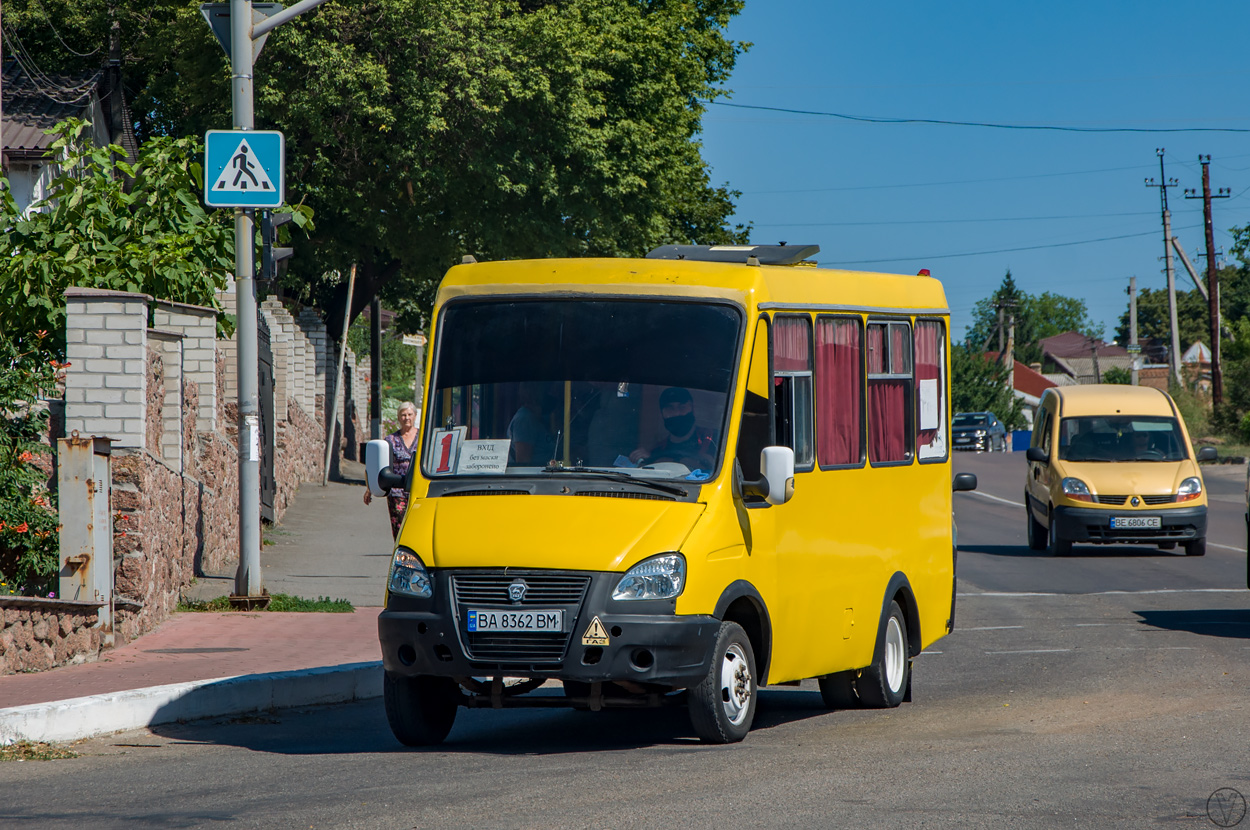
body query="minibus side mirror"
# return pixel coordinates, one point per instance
(1208, 454)
(777, 468)
(378, 475)
(1037, 454)
(964, 482)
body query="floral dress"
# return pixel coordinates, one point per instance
(401, 460)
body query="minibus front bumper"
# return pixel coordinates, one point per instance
(641, 641)
(1093, 525)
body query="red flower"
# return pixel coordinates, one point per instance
(20, 528)
(25, 456)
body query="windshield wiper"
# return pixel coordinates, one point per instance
(624, 478)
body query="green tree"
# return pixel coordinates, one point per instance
(1037, 317)
(1118, 375)
(1154, 322)
(421, 130)
(979, 384)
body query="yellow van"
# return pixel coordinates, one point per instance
(1111, 463)
(669, 481)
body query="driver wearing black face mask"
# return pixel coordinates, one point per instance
(685, 443)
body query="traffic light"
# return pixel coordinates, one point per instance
(271, 256)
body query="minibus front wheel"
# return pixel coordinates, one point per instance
(420, 709)
(722, 706)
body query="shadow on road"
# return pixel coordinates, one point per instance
(361, 728)
(1078, 552)
(1233, 623)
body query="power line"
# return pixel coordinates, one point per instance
(1004, 250)
(943, 184)
(947, 221)
(872, 119)
(57, 35)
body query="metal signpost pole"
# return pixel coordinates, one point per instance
(247, 580)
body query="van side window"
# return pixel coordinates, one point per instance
(931, 390)
(839, 391)
(1047, 428)
(792, 388)
(889, 392)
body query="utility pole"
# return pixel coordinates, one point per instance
(1133, 348)
(1011, 355)
(375, 379)
(1174, 359)
(1213, 276)
(247, 581)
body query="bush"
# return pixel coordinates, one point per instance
(29, 540)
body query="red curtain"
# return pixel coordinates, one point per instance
(792, 344)
(928, 367)
(887, 420)
(876, 350)
(839, 391)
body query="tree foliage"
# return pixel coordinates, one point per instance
(1037, 316)
(1154, 322)
(979, 384)
(422, 130)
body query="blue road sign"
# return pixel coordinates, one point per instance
(244, 168)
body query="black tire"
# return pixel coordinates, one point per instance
(1057, 546)
(883, 685)
(722, 706)
(1167, 546)
(838, 690)
(1196, 547)
(1036, 531)
(420, 709)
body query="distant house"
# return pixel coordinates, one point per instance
(1027, 384)
(1073, 357)
(34, 103)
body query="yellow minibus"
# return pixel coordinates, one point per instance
(671, 481)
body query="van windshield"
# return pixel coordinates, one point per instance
(1121, 438)
(535, 387)
(970, 421)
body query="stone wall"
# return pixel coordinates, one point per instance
(39, 634)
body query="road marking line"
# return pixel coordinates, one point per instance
(995, 498)
(1033, 651)
(923, 653)
(1103, 593)
(1226, 547)
(990, 628)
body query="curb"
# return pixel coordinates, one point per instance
(87, 717)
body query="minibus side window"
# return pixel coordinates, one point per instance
(840, 391)
(889, 393)
(792, 388)
(756, 431)
(930, 390)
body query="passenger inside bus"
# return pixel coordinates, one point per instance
(533, 442)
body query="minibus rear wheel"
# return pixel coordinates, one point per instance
(883, 685)
(722, 706)
(420, 709)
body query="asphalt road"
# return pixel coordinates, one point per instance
(1104, 689)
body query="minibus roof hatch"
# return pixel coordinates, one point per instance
(765, 254)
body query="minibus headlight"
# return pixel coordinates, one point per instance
(409, 576)
(1190, 489)
(660, 577)
(1076, 490)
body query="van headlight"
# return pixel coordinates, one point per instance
(1190, 489)
(660, 577)
(1076, 489)
(409, 576)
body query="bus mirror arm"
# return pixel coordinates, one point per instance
(743, 489)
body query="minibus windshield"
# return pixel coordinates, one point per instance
(1121, 438)
(536, 387)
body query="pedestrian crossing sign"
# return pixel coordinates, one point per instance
(244, 168)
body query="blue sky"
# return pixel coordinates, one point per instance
(900, 197)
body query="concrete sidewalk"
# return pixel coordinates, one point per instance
(212, 664)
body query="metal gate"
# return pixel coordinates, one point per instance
(268, 484)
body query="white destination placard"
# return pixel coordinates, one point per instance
(930, 417)
(483, 457)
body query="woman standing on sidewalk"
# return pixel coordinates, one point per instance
(403, 443)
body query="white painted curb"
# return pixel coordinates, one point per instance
(85, 717)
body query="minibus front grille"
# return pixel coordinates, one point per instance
(540, 589)
(1167, 498)
(1110, 499)
(516, 649)
(487, 493)
(624, 494)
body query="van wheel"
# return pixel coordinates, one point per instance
(838, 690)
(883, 685)
(420, 709)
(722, 706)
(1058, 547)
(1036, 530)
(1196, 547)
